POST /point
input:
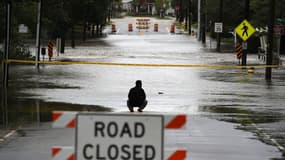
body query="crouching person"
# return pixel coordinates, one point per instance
(137, 97)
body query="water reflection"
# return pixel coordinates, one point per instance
(4, 116)
(19, 111)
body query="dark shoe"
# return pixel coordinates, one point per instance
(131, 110)
(139, 110)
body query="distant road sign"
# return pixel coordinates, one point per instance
(113, 136)
(23, 28)
(218, 27)
(245, 30)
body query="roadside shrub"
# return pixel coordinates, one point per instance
(20, 52)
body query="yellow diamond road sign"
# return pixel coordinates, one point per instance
(245, 30)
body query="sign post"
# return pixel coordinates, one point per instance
(245, 30)
(128, 137)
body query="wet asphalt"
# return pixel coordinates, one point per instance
(226, 98)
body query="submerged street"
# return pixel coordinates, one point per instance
(232, 114)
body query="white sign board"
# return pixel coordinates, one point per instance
(113, 136)
(23, 28)
(218, 27)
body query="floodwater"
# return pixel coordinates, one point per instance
(231, 95)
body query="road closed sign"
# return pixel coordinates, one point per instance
(119, 137)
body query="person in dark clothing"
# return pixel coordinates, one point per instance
(137, 97)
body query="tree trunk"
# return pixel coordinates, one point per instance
(62, 44)
(203, 21)
(84, 32)
(220, 20)
(190, 18)
(93, 30)
(72, 37)
(97, 30)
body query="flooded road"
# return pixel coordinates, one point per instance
(230, 95)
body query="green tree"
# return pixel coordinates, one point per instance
(260, 11)
(25, 12)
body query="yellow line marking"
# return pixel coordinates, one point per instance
(147, 64)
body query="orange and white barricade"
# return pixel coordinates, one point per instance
(68, 120)
(63, 153)
(155, 27)
(130, 27)
(175, 121)
(63, 119)
(173, 154)
(68, 153)
(50, 50)
(143, 24)
(172, 28)
(114, 28)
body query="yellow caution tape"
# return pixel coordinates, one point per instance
(147, 65)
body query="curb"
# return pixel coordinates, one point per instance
(7, 136)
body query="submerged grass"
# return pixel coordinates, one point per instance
(22, 110)
(242, 116)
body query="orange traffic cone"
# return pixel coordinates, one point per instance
(130, 27)
(114, 28)
(155, 27)
(172, 28)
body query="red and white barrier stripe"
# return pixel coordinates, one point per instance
(68, 120)
(175, 121)
(63, 119)
(67, 153)
(62, 153)
(176, 154)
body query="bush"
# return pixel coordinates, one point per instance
(20, 52)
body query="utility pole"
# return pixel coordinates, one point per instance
(181, 18)
(199, 21)
(203, 21)
(7, 45)
(268, 71)
(38, 41)
(246, 16)
(4, 102)
(186, 18)
(221, 13)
